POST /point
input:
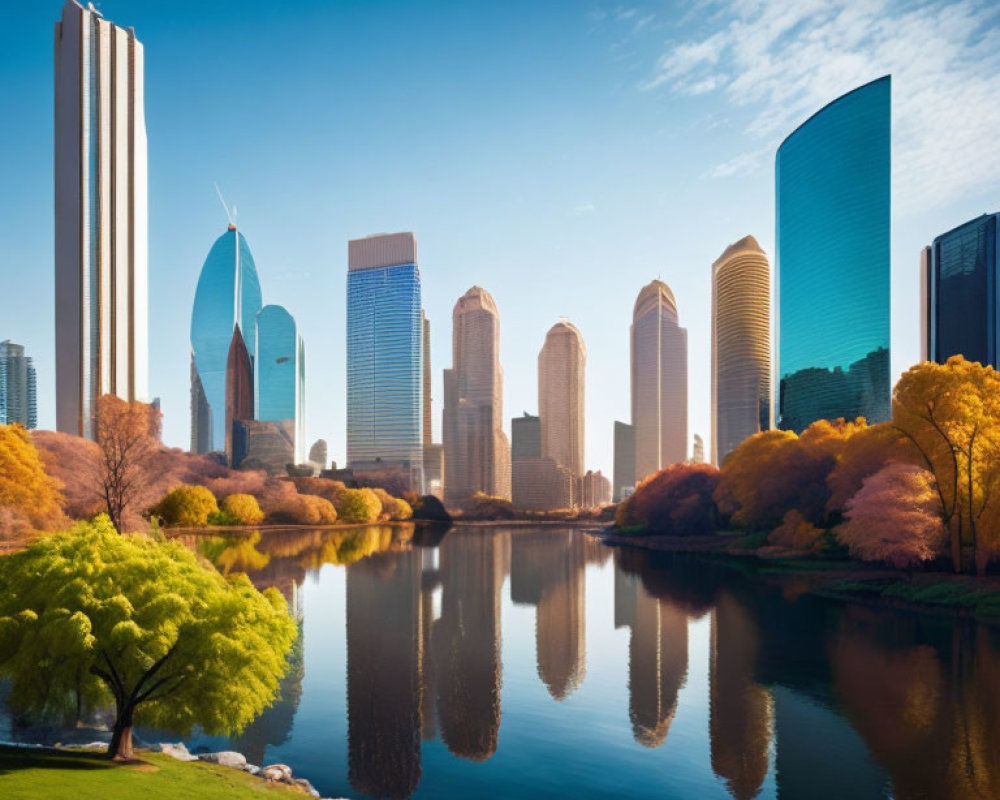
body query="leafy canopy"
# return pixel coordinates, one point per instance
(187, 506)
(25, 488)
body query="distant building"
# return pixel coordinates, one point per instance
(318, 453)
(540, 484)
(385, 377)
(594, 490)
(525, 437)
(741, 346)
(624, 467)
(239, 391)
(960, 294)
(434, 470)
(428, 426)
(280, 374)
(476, 451)
(832, 178)
(659, 381)
(562, 365)
(264, 444)
(18, 389)
(698, 450)
(101, 304)
(228, 296)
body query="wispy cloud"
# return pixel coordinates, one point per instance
(583, 209)
(783, 60)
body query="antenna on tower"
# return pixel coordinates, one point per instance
(230, 216)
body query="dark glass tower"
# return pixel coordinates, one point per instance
(832, 191)
(961, 292)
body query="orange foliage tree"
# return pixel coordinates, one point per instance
(126, 435)
(864, 454)
(29, 498)
(676, 501)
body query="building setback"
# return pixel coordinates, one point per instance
(18, 392)
(101, 305)
(562, 366)
(476, 451)
(741, 346)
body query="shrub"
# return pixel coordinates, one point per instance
(429, 507)
(392, 507)
(303, 509)
(484, 507)
(359, 505)
(676, 501)
(796, 532)
(186, 506)
(243, 508)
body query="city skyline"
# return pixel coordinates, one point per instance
(601, 214)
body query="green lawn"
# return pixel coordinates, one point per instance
(71, 775)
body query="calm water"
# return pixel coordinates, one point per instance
(515, 663)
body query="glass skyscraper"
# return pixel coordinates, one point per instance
(279, 377)
(961, 293)
(228, 294)
(832, 192)
(18, 400)
(385, 354)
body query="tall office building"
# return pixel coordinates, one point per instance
(428, 426)
(741, 346)
(659, 381)
(537, 483)
(228, 296)
(960, 293)
(476, 451)
(18, 398)
(623, 479)
(385, 380)
(101, 305)
(280, 374)
(239, 392)
(832, 194)
(525, 437)
(562, 365)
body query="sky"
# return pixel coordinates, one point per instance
(560, 154)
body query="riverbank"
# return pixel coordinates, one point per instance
(842, 580)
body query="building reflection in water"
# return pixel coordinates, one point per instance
(658, 656)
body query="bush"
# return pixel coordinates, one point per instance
(795, 532)
(359, 505)
(429, 507)
(392, 507)
(484, 507)
(186, 506)
(676, 501)
(243, 508)
(303, 509)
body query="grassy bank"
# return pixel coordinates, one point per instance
(33, 774)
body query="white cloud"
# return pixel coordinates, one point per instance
(743, 164)
(584, 208)
(782, 60)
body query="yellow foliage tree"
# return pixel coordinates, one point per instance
(187, 506)
(243, 508)
(27, 493)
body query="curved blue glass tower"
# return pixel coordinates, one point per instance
(228, 293)
(832, 193)
(279, 377)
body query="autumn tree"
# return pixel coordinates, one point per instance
(951, 414)
(186, 506)
(243, 509)
(126, 435)
(358, 505)
(89, 618)
(895, 517)
(864, 454)
(676, 501)
(29, 498)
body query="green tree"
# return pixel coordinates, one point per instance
(89, 617)
(188, 506)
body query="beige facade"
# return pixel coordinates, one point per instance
(101, 305)
(741, 346)
(539, 484)
(593, 490)
(562, 364)
(659, 381)
(476, 450)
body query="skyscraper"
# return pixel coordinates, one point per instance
(832, 194)
(476, 451)
(101, 305)
(385, 381)
(960, 312)
(624, 471)
(239, 390)
(562, 364)
(537, 483)
(525, 437)
(741, 346)
(18, 400)
(428, 426)
(279, 374)
(228, 295)
(659, 381)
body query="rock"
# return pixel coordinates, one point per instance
(276, 772)
(178, 751)
(227, 758)
(307, 787)
(253, 769)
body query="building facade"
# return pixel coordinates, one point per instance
(280, 374)
(960, 309)
(476, 450)
(525, 437)
(741, 346)
(101, 304)
(623, 479)
(832, 194)
(385, 379)
(594, 490)
(659, 381)
(18, 387)
(562, 365)
(239, 391)
(228, 296)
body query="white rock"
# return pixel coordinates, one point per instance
(253, 769)
(276, 772)
(227, 758)
(307, 787)
(178, 751)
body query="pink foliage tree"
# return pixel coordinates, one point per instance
(895, 517)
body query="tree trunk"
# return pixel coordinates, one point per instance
(120, 748)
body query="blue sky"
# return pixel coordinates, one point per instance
(561, 154)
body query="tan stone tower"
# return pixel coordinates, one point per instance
(562, 364)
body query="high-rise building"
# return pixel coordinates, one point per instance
(593, 490)
(228, 296)
(562, 364)
(239, 391)
(832, 194)
(537, 483)
(659, 381)
(476, 451)
(525, 437)
(101, 304)
(741, 346)
(624, 467)
(698, 450)
(280, 374)
(385, 380)
(18, 399)
(428, 424)
(960, 293)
